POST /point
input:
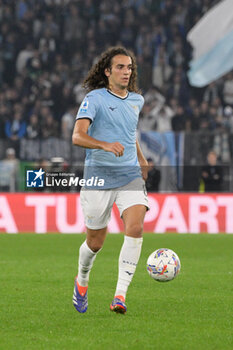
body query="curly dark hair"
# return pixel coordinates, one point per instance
(96, 78)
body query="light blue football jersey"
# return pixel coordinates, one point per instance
(112, 119)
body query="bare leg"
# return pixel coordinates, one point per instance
(133, 218)
(95, 238)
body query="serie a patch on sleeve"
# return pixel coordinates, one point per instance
(84, 106)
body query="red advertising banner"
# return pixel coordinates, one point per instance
(181, 213)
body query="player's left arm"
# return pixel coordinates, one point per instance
(142, 161)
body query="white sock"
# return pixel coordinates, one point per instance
(85, 262)
(128, 259)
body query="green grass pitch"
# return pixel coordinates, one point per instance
(193, 312)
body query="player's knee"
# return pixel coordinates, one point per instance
(95, 246)
(134, 230)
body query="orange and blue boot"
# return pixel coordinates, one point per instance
(118, 305)
(80, 301)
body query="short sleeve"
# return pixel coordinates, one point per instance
(88, 108)
(141, 103)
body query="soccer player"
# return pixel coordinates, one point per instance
(106, 126)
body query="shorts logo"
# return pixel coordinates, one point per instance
(84, 106)
(89, 219)
(35, 178)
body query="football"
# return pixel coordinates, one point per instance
(163, 265)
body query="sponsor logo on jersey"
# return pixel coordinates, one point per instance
(112, 108)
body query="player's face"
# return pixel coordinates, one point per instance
(120, 72)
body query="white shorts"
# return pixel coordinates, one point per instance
(97, 204)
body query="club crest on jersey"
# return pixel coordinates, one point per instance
(135, 108)
(84, 106)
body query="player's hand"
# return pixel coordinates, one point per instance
(144, 169)
(115, 147)
(144, 172)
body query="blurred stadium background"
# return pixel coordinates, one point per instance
(46, 50)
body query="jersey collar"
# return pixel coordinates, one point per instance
(118, 96)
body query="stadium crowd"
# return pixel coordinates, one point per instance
(48, 46)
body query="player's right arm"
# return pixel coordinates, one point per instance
(81, 138)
